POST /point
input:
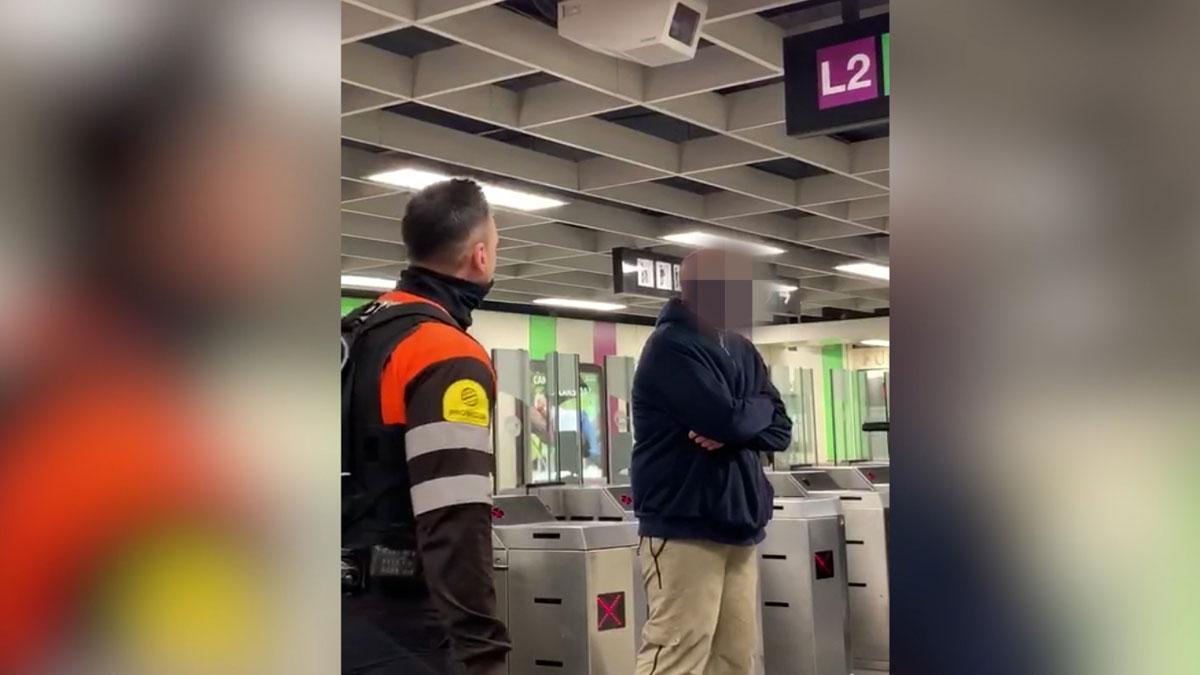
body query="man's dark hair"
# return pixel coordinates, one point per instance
(439, 220)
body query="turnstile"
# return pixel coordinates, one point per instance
(802, 567)
(587, 503)
(866, 510)
(878, 474)
(568, 587)
(603, 503)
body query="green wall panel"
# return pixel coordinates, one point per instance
(348, 304)
(833, 359)
(543, 336)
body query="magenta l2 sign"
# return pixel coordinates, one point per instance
(847, 73)
(836, 80)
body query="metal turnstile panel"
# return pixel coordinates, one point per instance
(623, 496)
(786, 582)
(570, 612)
(785, 485)
(585, 503)
(804, 618)
(519, 509)
(831, 602)
(500, 581)
(548, 609)
(613, 503)
(848, 478)
(867, 577)
(612, 651)
(568, 536)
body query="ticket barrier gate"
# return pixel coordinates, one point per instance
(567, 590)
(587, 503)
(802, 568)
(878, 474)
(603, 503)
(866, 510)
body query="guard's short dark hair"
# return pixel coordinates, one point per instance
(439, 220)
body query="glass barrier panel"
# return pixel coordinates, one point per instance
(795, 387)
(618, 380)
(592, 428)
(875, 406)
(562, 397)
(510, 424)
(846, 416)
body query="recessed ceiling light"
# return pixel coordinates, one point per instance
(785, 288)
(710, 240)
(416, 179)
(571, 303)
(866, 269)
(373, 283)
(875, 343)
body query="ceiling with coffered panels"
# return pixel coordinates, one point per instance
(489, 89)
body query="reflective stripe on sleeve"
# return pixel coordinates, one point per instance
(446, 436)
(441, 492)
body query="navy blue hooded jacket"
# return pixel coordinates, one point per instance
(691, 378)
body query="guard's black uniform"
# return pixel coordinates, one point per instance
(421, 410)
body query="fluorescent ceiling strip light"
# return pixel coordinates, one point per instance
(866, 269)
(876, 343)
(709, 240)
(416, 179)
(571, 303)
(373, 283)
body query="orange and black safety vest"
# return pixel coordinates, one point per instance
(417, 393)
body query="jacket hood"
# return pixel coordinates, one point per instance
(676, 311)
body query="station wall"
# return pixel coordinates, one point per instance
(591, 340)
(822, 359)
(540, 335)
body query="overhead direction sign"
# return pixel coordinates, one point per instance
(838, 79)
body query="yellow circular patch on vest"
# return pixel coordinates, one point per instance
(465, 401)
(187, 602)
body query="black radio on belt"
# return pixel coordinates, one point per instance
(379, 563)
(390, 563)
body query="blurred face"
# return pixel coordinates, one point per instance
(718, 286)
(214, 209)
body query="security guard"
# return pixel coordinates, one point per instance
(416, 525)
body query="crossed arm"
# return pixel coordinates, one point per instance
(715, 416)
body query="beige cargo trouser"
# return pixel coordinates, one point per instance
(703, 601)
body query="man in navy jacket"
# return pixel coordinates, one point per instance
(703, 412)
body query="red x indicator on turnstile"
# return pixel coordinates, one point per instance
(610, 611)
(497, 513)
(823, 564)
(626, 500)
